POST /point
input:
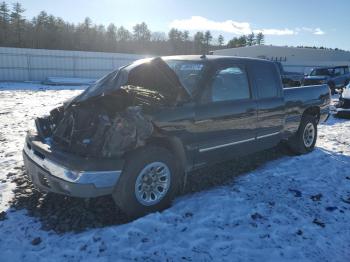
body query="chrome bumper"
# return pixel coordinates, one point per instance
(50, 176)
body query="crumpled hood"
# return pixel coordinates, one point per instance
(152, 73)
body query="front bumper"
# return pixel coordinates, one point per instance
(342, 112)
(78, 176)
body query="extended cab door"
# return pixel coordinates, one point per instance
(225, 116)
(270, 103)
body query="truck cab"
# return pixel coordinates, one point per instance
(335, 77)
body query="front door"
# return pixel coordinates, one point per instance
(225, 117)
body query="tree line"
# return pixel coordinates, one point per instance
(46, 31)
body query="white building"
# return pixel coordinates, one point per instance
(24, 64)
(293, 59)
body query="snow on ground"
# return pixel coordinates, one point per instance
(35, 86)
(291, 209)
(69, 81)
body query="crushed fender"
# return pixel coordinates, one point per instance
(129, 130)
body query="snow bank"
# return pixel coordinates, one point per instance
(70, 81)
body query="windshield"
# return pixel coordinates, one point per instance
(322, 72)
(188, 72)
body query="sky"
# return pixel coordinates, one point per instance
(294, 22)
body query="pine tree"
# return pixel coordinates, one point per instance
(17, 22)
(251, 39)
(111, 36)
(260, 38)
(221, 40)
(208, 37)
(4, 23)
(141, 32)
(123, 34)
(242, 41)
(198, 42)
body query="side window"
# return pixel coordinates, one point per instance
(338, 71)
(267, 80)
(230, 83)
(346, 70)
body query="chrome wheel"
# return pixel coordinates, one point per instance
(309, 135)
(152, 183)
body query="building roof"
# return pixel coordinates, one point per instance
(284, 53)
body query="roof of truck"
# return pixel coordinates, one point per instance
(211, 58)
(331, 67)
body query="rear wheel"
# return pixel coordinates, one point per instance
(305, 139)
(149, 182)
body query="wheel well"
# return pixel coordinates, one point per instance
(313, 111)
(331, 84)
(174, 145)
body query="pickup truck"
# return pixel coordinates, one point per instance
(138, 132)
(335, 77)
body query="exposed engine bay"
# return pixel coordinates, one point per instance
(113, 115)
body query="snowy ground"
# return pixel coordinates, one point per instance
(295, 208)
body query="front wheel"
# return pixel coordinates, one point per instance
(149, 182)
(305, 139)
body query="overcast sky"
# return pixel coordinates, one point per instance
(294, 22)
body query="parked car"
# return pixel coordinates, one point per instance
(139, 131)
(342, 108)
(290, 79)
(335, 77)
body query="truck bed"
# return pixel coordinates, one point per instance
(297, 99)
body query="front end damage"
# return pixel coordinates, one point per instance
(93, 131)
(110, 118)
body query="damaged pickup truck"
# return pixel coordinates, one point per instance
(137, 132)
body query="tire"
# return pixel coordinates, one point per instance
(300, 143)
(134, 195)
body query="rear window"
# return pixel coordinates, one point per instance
(322, 72)
(339, 71)
(267, 79)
